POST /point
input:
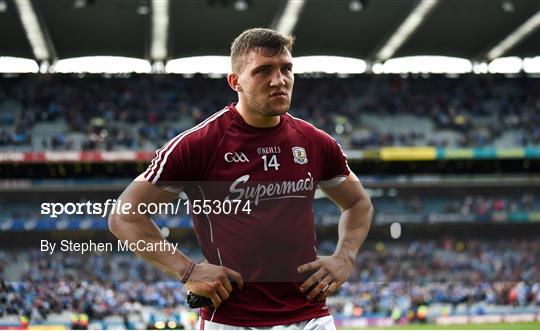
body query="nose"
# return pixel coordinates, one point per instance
(278, 79)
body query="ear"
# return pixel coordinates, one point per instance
(232, 79)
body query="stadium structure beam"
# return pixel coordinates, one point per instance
(160, 30)
(36, 31)
(515, 37)
(287, 18)
(406, 29)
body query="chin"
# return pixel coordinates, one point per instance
(275, 111)
(278, 109)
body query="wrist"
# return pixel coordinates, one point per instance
(347, 257)
(185, 276)
(182, 267)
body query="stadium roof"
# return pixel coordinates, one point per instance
(352, 28)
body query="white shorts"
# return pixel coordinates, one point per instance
(319, 323)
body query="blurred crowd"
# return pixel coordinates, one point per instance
(480, 108)
(143, 112)
(105, 111)
(502, 206)
(388, 275)
(479, 204)
(471, 204)
(96, 285)
(444, 271)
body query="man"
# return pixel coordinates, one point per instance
(262, 268)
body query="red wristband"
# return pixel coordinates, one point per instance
(185, 277)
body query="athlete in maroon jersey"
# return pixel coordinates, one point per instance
(256, 154)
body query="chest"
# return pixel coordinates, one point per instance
(276, 157)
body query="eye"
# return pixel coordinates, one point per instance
(263, 70)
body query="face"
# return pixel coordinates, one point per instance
(266, 82)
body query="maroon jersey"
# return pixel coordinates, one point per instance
(277, 170)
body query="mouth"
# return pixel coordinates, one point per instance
(278, 94)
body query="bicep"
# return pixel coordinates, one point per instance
(141, 191)
(347, 193)
(132, 219)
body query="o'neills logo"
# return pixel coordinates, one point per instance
(270, 191)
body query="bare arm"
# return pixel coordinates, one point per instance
(206, 279)
(133, 226)
(356, 212)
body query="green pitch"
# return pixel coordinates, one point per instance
(487, 326)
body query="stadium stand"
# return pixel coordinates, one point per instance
(450, 277)
(63, 112)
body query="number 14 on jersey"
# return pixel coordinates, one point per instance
(272, 163)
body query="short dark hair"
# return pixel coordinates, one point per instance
(258, 38)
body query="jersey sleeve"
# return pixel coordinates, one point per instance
(176, 163)
(334, 162)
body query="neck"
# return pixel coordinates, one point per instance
(254, 119)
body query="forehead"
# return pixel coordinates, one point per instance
(262, 56)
